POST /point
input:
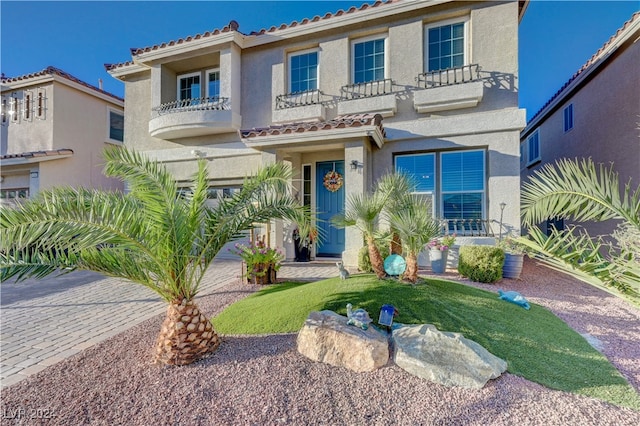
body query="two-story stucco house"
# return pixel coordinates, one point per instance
(54, 130)
(596, 114)
(428, 87)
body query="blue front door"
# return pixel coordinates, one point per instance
(328, 204)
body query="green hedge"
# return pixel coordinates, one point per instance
(481, 263)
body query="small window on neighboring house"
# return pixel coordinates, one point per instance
(369, 60)
(568, 118)
(116, 126)
(303, 71)
(40, 107)
(28, 99)
(533, 144)
(445, 46)
(5, 111)
(189, 86)
(213, 83)
(14, 108)
(521, 153)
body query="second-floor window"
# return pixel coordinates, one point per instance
(533, 144)
(188, 86)
(369, 60)
(445, 46)
(303, 72)
(568, 118)
(213, 83)
(116, 126)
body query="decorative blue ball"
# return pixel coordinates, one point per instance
(395, 265)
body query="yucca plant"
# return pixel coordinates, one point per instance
(150, 236)
(581, 191)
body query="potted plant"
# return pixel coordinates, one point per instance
(303, 244)
(513, 257)
(438, 252)
(262, 262)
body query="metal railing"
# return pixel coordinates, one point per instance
(467, 227)
(193, 104)
(449, 76)
(296, 99)
(367, 89)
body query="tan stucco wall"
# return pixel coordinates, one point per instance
(606, 125)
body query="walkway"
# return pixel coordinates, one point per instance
(46, 321)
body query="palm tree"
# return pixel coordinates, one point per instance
(396, 188)
(149, 236)
(362, 211)
(416, 226)
(580, 191)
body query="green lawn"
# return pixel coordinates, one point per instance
(536, 344)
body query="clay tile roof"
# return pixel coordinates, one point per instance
(56, 71)
(32, 154)
(340, 122)
(589, 63)
(317, 18)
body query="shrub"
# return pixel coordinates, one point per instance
(481, 263)
(364, 263)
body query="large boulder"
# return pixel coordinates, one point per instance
(327, 338)
(446, 358)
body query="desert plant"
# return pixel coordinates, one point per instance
(581, 191)
(481, 263)
(149, 236)
(364, 263)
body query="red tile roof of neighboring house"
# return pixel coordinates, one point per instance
(32, 154)
(56, 71)
(340, 122)
(589, 63)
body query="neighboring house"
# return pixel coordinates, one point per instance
(596, 114)
(427, 87)
(54, 129)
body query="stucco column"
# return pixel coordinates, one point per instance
(276, 227)
(355, 183)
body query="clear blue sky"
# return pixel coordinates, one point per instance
(79, 37)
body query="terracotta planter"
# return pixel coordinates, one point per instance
(264, 275)
(512, 267)
(438, 260)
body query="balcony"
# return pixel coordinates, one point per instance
(299, 107)
(193, 117)
(449, 89)
(375, 97)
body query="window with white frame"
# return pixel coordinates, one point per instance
(213, 83)
(303, 71)
(116, 126)
(460, 192)
(445, 46)
(306, 185)
(568, 117)
(533, 145)
(368, 59)
(189, 86)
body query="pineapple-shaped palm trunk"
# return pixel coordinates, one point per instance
(186, 335)
(377, 263)
(395, 247)
(411, 273)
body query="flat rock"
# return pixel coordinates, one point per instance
(446, 358)
(326, 337)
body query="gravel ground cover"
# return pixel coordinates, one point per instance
(262, 380)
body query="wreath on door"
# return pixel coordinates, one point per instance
(333, 181)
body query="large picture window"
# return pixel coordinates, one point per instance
(368, 60)
(445, 46)
(303, 72)
(454, 180)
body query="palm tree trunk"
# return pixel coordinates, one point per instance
(377, 263)
(186, 335)
(411, 273)
(396, 243)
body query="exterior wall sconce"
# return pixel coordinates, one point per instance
(355, 164)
